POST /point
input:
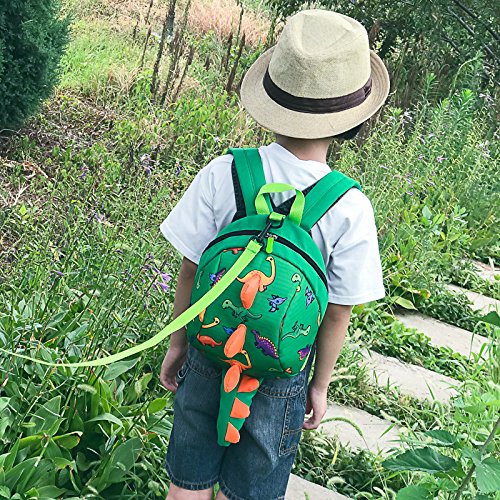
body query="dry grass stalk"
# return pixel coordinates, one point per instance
(184, 73)
(167, 27)
(232, 75)
(223, 18)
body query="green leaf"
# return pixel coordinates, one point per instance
(50, 492)
(108, 417)
(427, 213)
(11, 457)
(492, 318)
(116, 369)
(407, 304)
(122, 459)
(29, 440)
(4, 402)
(421, 459)
(68, 441)
(45, 418)
(157, 405)
(413, 493)
(4, 492)
(441, 438)
(488, 475)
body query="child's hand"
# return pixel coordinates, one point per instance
(172, 363)
(317, 403)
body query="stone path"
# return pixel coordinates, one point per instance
(300, 489)
(481, 302)
(413, 380)
(378, 434)
(444, 335)
(486, 271)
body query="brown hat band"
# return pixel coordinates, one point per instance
(312, 105)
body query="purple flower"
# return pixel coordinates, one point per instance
(440, 159)
(421, 156)
(421, 139)
(161, 286)
(149, 256)
(147, 164)
(59, 273)
(84, 171)
(383, 166)
(411, 193)
(99, 217)
(178, 169)
(162, 281)
(217, 139)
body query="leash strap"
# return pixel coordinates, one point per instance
(251, 251)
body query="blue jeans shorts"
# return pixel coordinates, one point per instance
(256, 468)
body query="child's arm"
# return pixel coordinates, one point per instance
(176, 353)
(330, 338)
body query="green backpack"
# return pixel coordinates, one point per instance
(265, 323)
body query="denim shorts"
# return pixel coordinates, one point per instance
(256, 468)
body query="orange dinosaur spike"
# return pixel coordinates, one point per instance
(232, 378)
(239, 409)
(249, 291)
(248, 384)
(235, 342)
(232, 434)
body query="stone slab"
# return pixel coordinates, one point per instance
(412, 380)
(480, 302)
(378, 434)
(486, 271)
(444, 335)
(300, 489)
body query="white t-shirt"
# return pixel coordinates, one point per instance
(346, 234)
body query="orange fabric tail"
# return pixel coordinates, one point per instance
(239, 409)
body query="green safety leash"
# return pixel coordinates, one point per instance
(251, 251)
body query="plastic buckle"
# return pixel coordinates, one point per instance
(276, 217)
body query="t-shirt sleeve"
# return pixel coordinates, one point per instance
(354, 270)
(190, 226)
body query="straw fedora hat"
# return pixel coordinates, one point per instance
(319, 80)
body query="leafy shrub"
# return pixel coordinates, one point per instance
(32, 39)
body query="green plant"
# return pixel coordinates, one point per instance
(321, 459)
(462, 459)
(32, 39)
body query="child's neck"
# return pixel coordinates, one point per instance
(306, 149)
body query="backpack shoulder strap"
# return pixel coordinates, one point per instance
(324, 194)
(250, 176)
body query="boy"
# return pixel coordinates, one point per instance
(318, 83)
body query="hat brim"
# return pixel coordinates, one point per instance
(284, 121)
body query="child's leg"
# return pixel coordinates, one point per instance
(259, 466)
(176, 493)
(193, 458)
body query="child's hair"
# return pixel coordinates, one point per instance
(349, 134)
